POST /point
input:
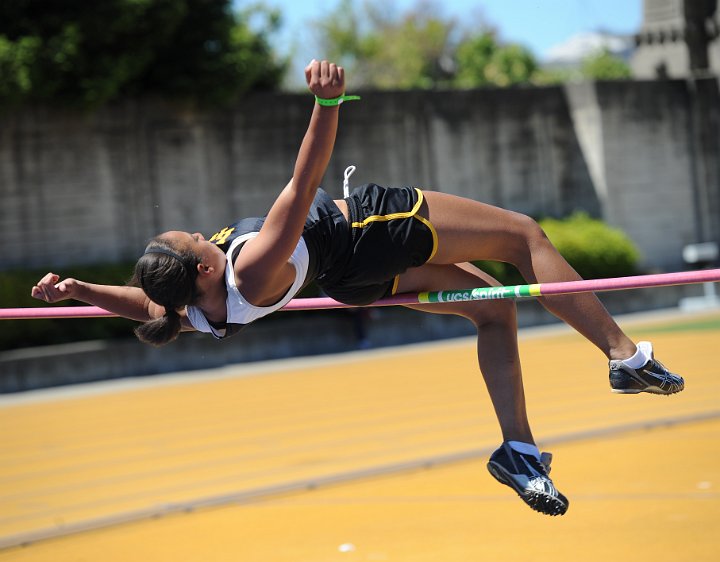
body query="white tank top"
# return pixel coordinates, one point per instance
(239, 310)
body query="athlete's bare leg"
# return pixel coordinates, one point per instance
(469, 230)
(497, 339)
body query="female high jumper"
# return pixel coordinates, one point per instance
(374, 243)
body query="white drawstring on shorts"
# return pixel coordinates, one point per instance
(349, 171)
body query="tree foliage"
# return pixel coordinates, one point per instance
(384, 50)
(482, 61)
(603, 65)
(88, 53)
(419, 48)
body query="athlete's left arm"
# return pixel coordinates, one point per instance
(125, 301)
(262, 267)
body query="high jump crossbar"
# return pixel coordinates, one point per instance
(477, 294)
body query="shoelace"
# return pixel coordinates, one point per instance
(664, 369)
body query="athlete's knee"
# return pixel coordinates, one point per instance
(529, 235)
(529, 229)
(484, 313)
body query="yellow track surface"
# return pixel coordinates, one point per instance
(367, 457)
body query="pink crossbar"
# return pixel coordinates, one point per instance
(567, 287)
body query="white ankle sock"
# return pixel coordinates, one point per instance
(642, 355)
(525, 448)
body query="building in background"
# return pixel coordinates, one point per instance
(678, 38)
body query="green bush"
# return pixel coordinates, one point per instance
(594, 249)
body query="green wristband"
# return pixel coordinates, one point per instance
(335, 101)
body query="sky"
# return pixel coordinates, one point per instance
(540, 25)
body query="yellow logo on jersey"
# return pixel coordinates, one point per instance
(222, 236)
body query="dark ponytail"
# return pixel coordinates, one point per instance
(160, 331)
(167, 276)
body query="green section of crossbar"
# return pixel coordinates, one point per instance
(481, 293)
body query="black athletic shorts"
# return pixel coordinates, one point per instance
(359, 263)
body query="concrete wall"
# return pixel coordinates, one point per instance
(658, 176)
(81, 188)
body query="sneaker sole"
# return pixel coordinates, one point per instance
(649, 390)
(542, 503)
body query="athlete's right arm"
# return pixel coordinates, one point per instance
(128, 302)
(262, 269)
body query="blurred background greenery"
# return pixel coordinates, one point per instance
(211, 51)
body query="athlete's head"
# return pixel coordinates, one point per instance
(167, 272)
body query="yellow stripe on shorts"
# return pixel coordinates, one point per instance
(391, 216)
(412, 213)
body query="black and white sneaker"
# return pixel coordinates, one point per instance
(528, 476)
(652, 377)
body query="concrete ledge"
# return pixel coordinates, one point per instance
(281, 336)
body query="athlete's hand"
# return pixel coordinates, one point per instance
(325, 79)
(51, 289)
